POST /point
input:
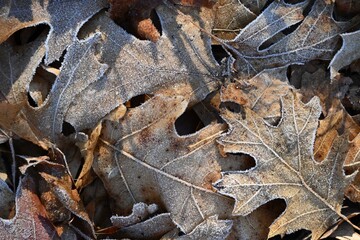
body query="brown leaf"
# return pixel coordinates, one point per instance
(30, 221)
(142, 159)
(261, 93)
(285, 168)
(233, 15)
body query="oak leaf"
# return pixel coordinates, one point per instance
(285, 168)
(259, 46)
(64, 23)
(347, 54)
(30, 220)
(141, 158)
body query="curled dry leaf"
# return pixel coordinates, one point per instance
(285, 168)
(57, 14)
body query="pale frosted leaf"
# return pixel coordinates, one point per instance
(152, 228)
(314, 38)
(144, 160)
(140, 212)
(79, 70)
(212, 229)
(181, 56)
(348, 53)
(285, 168)
(60, 15)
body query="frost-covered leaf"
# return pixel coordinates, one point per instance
(140, 212)
(261, 93)
(79, 70)
(211, 228)
(348, 53)
(30, 221)
(141, 158)
(59, 15)
(285, 168)
(232, 15)
(182, 55)
(152, 228)
(314, 38)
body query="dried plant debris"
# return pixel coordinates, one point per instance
(179, 119)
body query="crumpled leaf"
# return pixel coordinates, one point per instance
(64, 22)
(141, 158)
(30, 221)
(314, 38)
(347, 54)
(211, 228)
(285, 168)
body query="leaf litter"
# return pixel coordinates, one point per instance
(274, 85)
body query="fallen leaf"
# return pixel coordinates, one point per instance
(285, 168)
(141, 158)
(140, 212)
(211, 228)
(347, 54)
(30, 221)
(64, 28)
(260, 93)
(314, 38)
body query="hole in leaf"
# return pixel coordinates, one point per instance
(232, 107)
(346, 9)
(156, 21)
(28, 35)
(278, 36)
(57, 64)
(188, 123)
(40, 86)
(236, 162)
(293, 1)
(138, 100)
(138, 18)
(219, 53)
(67, 129)
(273, 121)
(308, 8)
